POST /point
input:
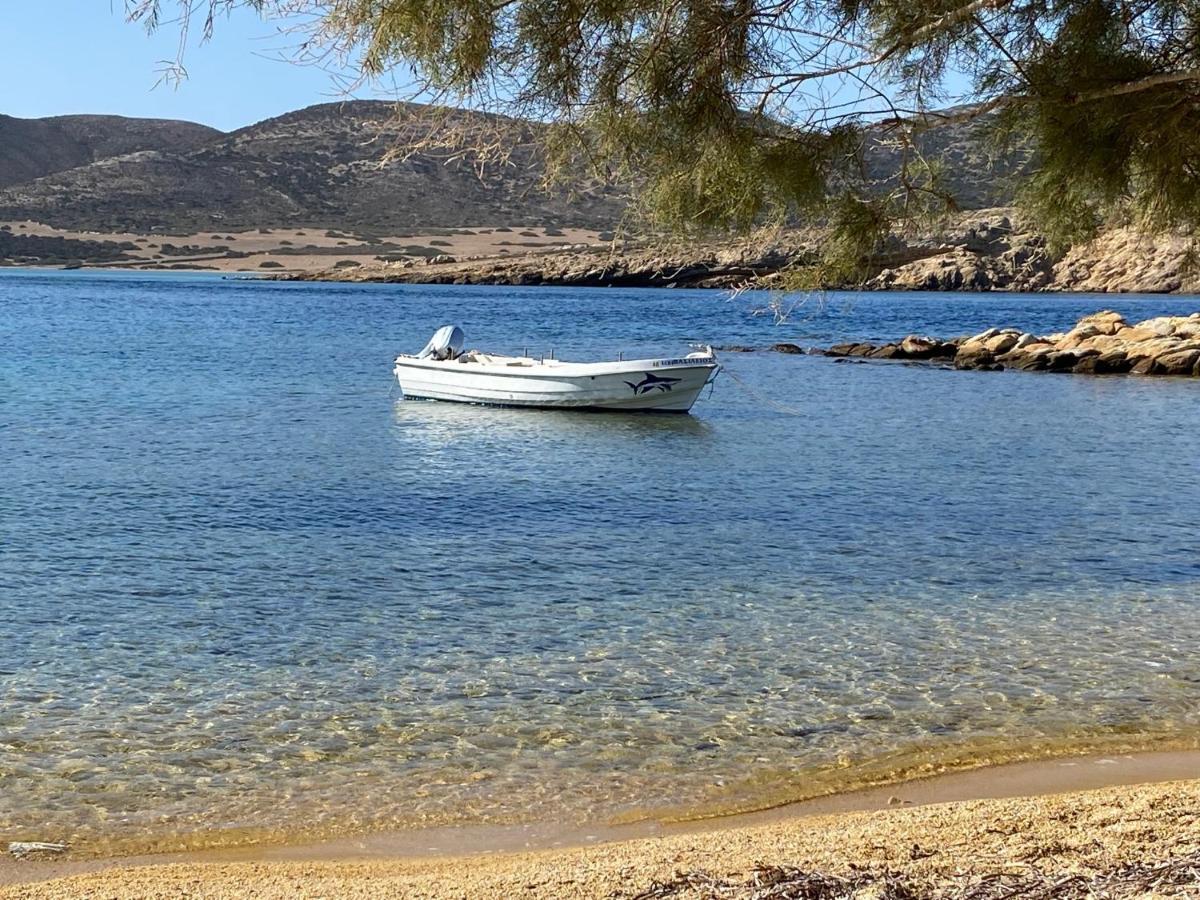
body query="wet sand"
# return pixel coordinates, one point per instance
(1086, 816)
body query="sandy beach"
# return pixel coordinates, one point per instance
(908, 840)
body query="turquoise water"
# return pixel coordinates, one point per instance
(244, 586)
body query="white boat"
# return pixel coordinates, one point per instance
(443, 371)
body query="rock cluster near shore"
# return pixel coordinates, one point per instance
(1100, 344)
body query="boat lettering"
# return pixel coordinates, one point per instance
(659, 363)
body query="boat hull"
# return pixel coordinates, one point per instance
(638, 385)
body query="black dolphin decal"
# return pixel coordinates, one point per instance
(652, 381)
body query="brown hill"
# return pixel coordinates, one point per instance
(33, 148)
(326, 165)
(330, 166)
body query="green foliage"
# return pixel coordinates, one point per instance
(729, 114)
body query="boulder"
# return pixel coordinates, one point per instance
(1030, 355)
(1061, 360)
(1106, 321)
(1144, 366)
(974, 357)
(1077, 336)
(1101, 317)
(785, 347)
(1138, 350)
(1111, 362)
(982, 336)
(887, 351)
(1161, 325)
(840, 349)
(1179, 362)
(852, 348)
(1029, 360)
(1188, 328)
(1137, 333)
(1101, 343)
(1002, 343)
(918, 347)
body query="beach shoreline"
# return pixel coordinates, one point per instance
(979, 250)
(489, 852)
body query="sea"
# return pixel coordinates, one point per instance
(247, 591)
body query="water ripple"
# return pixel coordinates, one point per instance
(244, 587)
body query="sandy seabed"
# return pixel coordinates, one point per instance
(1140, 841)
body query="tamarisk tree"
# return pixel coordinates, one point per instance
(731, 113)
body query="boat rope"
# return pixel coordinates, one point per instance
(761, 397)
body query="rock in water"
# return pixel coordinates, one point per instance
(974, 356)
(1099, 344)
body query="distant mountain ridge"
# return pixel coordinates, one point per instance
(325, 165)
(34, 148)
(329, 166)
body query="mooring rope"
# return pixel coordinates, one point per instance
(761, 397)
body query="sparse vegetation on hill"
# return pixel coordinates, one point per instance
(328, 166)
(33, 148)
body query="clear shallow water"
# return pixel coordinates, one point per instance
(243, 586)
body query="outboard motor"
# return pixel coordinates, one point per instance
(446, 343)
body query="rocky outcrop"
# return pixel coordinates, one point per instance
(1125, 259)
(590, 267)
(988, 250)
(993, 251)
(1100, 344)
(984, 253)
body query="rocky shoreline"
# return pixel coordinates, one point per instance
(984, 250)
(1102, 343)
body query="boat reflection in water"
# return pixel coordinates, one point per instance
(446, 424)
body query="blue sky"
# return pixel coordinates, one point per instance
(80, 56)
(59, 57)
